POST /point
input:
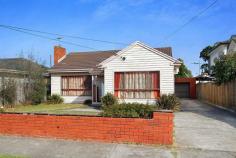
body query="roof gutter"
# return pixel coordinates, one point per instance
(68, 70)
(13, 71)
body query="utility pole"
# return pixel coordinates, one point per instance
(50, 60)
(199, 66)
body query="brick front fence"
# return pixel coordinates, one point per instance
(158, 130)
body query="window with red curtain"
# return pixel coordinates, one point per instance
(76, 85)
(142, 85)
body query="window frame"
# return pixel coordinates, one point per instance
(75, 89)
(137, 90)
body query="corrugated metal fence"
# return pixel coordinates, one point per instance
(222, 95)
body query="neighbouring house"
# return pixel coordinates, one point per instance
(137, 73)
(222, 48)
(18, 69)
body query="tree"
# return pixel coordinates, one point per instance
(183, 70)
(205, 55)
(35, 86)
(225, 68)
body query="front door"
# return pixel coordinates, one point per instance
(98, 83)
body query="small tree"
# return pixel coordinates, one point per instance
(225, 68)
(183, 70)
(8, 92)
(35, 88)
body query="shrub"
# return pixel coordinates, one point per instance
(128, 110)
(168, 102)
(225, 68)
(55, 99)
(109, 100)
(1, 109)
(38, 92)
(88, 102)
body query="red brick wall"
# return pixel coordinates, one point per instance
(192, 83)
(158, 130)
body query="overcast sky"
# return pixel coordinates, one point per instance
(126, 21)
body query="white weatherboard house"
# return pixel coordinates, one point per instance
(137, 73)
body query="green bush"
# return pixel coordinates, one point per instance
(38, 92)
(224, 69)
(128, 110)
(55, 99)
(109, 100)
(88, 102)
(1, 109)
(168, 102)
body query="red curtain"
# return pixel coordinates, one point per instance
(156, 84)
(117, 83)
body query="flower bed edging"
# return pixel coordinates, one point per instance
(158, 130)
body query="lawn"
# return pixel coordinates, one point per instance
(73, 109)
(10, 156)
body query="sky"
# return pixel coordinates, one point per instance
(125, 21)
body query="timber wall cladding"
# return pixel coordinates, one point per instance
(158, 130)
(223, 95)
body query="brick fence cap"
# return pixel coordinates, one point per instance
(47, 114)
(164, 111)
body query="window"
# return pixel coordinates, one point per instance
(76, 85)
(142, 85)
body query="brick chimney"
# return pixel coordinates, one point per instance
(59, 53)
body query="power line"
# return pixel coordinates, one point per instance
(63, 35)
(45, 37)
(191, 20)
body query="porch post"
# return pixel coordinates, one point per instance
(94, 89)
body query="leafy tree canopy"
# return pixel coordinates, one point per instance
(204, 54)
(183, 70)
(225, 68)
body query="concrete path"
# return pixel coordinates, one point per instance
(201, 126)
(52, 148)
(201, 131)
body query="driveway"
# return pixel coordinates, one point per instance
(201, 126)
(200, 131)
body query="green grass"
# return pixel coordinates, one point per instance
(52, 109)
(11, 156)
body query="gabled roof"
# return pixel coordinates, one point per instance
(154, 50)
(86, 61)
